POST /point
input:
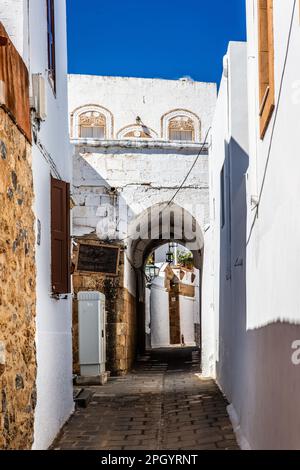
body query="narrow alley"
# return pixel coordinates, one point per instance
(164, 404)
(149, 227)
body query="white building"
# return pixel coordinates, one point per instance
(138, 137)
(40, 37)
(165, 304)
(135, 141)
(251, 322)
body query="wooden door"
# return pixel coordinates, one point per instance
(174, 312)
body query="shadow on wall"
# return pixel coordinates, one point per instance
(98, 205)
(232, 274)
(254, 368)
(95, 211)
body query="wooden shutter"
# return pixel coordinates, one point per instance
(14, 84)
(60, 236)
(266, 63)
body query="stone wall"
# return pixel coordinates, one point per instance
(17, 289)
(121, 318)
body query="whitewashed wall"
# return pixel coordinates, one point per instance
(51, 155)
(150, 99)
(14, 16)
(256, 296)
(226, 260)
(142, 177)
(143, 173)
(187, 329)
(54, 320)
(159, 314)
(273, 297)
(157, 305)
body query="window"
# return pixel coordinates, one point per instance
(266, 63)
(181, 125)
(92, 125)
(181, 128)
(92, 121)
(60, 237)
(51, 42)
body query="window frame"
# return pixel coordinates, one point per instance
(92, 127)
(182, 140)
(61, 233)
(265, 64)
(50, 5)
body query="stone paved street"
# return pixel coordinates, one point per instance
(164, 404)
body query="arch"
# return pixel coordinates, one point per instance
(181, 118)
(103, 113)
(153, 228)
(136, 131)
(159, 224)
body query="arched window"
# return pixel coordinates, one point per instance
(92, 122)
(92, 125)
(181, 128)
(181, 125)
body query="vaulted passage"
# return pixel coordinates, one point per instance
(156, 227)
(164, 403)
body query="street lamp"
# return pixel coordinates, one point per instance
(170, 257)
(151, 272)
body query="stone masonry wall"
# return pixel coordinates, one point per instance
(121, 318)
(17, 289)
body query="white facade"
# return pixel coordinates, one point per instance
(158, 303)
(119, 177)
(153, 100)
(159, 314)
(26, 22)
(255, 295)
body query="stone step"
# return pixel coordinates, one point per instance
(83, 398)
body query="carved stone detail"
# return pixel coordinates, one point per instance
(92, 119)
(181, 123)
(136, 132)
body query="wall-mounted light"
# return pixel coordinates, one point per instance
(170, 257)
(151, 272)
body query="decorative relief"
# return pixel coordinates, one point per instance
(136, 131)
(181, 123)
(139, 134)
(92, 119)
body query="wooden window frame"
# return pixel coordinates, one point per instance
(266, 64)
(50, 4)
(60, 271)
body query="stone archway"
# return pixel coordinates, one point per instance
(153, 228)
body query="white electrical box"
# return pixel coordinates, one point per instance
(39, 98)
(92, 341)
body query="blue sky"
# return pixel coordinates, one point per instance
(155, 39)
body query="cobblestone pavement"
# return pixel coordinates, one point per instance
(164, 404)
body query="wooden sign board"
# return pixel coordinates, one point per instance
(98, 258)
